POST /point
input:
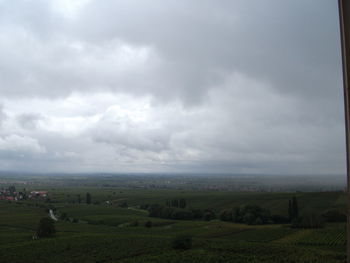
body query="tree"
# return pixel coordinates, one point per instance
(208, 215)
(123, 204)
(309, 219)
(249, 218)
(155, 210)
(166, 212)
(249, 214)
(279, 219)
(175, 203)
(134, 223)
(88, 198)
(293, 209)
(236, 217)
(182, 242)
(64, 216)
(226, 215)
(334, 216)
(12, 189)
(197, 213)
(181, 214)
(148, 224)
(46, 228)
(290, 211)
(182, 203)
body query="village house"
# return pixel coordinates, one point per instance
(10, 194)
(36, 194)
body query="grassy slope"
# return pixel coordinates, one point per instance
(214, 241)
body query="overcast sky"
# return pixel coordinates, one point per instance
(229, 86)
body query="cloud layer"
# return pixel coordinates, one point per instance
(171, 86)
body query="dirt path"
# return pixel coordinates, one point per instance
(52, 215)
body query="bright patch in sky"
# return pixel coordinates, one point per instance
(69, 8)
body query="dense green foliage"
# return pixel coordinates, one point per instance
(182, 242)
(248, 214)
(169, 212)
(309, 219)
(180, 203)
(88, 198)
(46, 228)
(293, 209)
(334, 215)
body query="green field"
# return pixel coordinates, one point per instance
(108, 233)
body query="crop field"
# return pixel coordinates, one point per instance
(216, 200)
(332, 236)
(106, 232)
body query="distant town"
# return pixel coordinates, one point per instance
(10, 194)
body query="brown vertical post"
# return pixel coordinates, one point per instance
(344, 18)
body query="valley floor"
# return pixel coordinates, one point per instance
(106, 233)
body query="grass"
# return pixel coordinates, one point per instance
(104, 233)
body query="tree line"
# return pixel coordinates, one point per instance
(179, 203)
(177, 209)
(246, 214)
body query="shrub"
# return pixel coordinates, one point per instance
(249, 218)
(248, 214)
(208, 215)
(334, 216)
(258, 221)
(226, 215)
(124, 204)
(278, 219)
(148, 224)
(308, 220)
(46, 228)
(197, 213)
(160, 211)
(182, 242)
(134, 223)
(181, 214)
(63, 216)
(155, 210)
(167, 212)
(88, 198)
(144, 206)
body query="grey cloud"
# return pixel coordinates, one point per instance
(294, 44)
(29, 121)
(35, 17)
(125, 134)
(234, 86)
(3, 116)
(20, 145)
